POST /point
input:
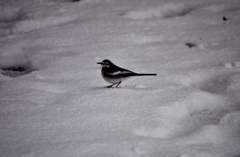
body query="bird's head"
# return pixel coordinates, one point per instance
(105, 63)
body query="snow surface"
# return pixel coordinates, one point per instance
(53, 100)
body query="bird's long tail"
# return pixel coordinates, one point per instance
(146, 75)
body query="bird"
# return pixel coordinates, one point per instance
(114, 74)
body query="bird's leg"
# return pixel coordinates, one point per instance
(110, 85)
(114, 84)
(118, 84)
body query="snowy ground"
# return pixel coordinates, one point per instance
(53, 103)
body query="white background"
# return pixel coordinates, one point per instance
(53, 100)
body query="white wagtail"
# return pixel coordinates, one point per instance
(115, 75)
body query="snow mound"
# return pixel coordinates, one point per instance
(134, 152)
(216, 80)
(227, 129)
(231, 64)
(32, 24)
(15, 20)
(9, 16)
(219, 7)
(164, 11)
(185, 115)
(209, 96)
(144, 39)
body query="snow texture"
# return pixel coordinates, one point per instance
(53, 101)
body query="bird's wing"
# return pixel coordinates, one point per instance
(123, 73)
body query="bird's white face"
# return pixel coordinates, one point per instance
(105, 63)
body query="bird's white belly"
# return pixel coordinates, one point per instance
(115, 79)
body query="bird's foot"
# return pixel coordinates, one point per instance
(111, 86)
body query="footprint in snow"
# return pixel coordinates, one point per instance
(16, 70)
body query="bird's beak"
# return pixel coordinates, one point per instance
(99, 63)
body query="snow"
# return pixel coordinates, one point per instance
(53, 101)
